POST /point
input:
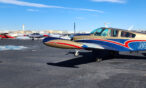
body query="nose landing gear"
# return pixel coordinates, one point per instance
(76, 52)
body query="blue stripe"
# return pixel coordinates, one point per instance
(119, 40)
(50, 38)
(108, 44)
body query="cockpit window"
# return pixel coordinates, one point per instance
(100, 32)
(105, 32)
(127, 34)
(96, 30)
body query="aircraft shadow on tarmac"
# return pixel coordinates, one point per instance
(75, 61)
(87, 57)
(144, 54)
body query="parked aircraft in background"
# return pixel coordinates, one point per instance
(63, 36)
(109, 40)
(35, 35)
(5, 35)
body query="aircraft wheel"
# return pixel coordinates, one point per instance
(97, 56)
(98, 59)
(114, 54)
(100, 55)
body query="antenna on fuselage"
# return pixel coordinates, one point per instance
(106, 26)
(131, 27)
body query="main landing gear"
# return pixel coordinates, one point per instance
(100, 55)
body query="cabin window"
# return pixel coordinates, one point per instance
(114, 33)
(127, 34)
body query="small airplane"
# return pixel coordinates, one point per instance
(101, 40)
(35, 35)
(5, 35)
(63, 36)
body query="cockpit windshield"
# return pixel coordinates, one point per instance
(100, 32)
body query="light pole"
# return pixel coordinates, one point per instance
(74, 27)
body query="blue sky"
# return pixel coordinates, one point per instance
(61, 14)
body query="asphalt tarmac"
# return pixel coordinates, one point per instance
(39, 66)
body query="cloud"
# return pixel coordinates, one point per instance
(113, 1)
(22, 3)
(32, 10)
(83, 9)
(29, 4)
(91, 10)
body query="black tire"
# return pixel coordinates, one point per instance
(114, 54)
(100, 55)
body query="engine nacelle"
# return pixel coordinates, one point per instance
(61, 43)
